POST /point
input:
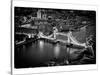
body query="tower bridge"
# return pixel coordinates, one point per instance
(69, 36)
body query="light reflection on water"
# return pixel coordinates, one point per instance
(39, 52)
(41, 45)
(57, 50)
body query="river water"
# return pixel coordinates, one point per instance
(38, 53)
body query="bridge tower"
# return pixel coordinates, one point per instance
(55, 30)
(39, 14)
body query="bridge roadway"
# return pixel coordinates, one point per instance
(28, 34)
(71, 39)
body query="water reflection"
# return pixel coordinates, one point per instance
(41, 52)
(41, 45)
(57, 50)
(23, 50)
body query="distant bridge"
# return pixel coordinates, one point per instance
(70, 38)
(27, 34)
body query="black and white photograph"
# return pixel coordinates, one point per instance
(53, 37)
(46, 37)
(50, 37)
